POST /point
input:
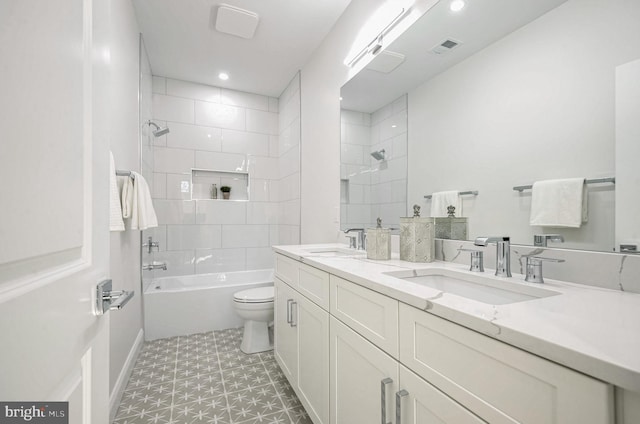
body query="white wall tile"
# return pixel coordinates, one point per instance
(220, 260)
(245, 142)
(221, 212)
(159, 190)
(245, 236)
(173, 161)
(260, 258)
(290, 162)
(274, 234)
(245, 100)
(222, 116)
(273, 104)
(351, 153)
(192, 90)
(263, 167)
(194, 137)
(183, 237)
(289, 212)
(175, 211)
(178, 263)
(262, 122)
(178, 186)
(173, 109)
(221, 161)
(274, 141)
(159, 85)
(259, 190)
(262, 213)
(289, 138)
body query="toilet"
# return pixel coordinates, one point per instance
(255, 306)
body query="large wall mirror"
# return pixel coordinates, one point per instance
(501, 94)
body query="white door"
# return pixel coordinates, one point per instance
(313, 358)
(359, 371)
(54, 245)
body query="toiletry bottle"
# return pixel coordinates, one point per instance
(214, 191)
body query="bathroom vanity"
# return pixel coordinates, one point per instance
(365, 341)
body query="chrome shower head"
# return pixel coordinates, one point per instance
(159, 130)
(378, 155)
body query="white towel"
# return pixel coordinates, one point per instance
(115, 211)
(559, 203)
(143, 215)
(127, 197)
(441, 200)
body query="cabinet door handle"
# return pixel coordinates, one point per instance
(294, 323)
(399, 395)
(383, 399)
(289, 302)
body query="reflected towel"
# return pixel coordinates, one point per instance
(143, 215)
(441, 200)
(115, 211)
(559, 203)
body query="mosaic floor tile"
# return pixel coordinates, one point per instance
(206, 378)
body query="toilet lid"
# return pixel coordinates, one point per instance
(257, 295)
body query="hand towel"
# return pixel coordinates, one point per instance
(559, 203)
(115, 211)
(443, 199)
(127, 197)
(143, 215)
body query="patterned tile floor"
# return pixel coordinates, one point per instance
(206, 378)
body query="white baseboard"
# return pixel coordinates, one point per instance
(123, 378)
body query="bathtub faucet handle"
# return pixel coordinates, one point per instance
(150, 244)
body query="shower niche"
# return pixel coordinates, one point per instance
(203, 180)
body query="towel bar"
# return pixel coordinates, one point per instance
(462, 193)
(611, 180)
(125, 174)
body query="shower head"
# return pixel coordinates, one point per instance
(159, 130)
(378, 155)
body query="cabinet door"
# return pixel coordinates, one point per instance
(357, 371)
(426, 404)
(313, 358)
(286, 336)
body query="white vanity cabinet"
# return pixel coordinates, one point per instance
(302, 333)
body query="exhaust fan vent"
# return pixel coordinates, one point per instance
(235, 21)
(445, 46)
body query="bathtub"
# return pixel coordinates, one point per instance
(176, 306)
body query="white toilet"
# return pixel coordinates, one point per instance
(255, 306)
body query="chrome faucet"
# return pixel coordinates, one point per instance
(149, 267)
(361, 240)
(150, 244)
(503, 253)
(541, 240)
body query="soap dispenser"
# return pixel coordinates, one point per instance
(417, 238)
(378, 242)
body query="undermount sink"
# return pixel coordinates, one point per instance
(334, 251)
(480, 288)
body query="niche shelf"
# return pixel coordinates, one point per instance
(203, 179)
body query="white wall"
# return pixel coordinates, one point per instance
(222, 130)
(321, 80)
(288, 184)
(538, 104)
(627, 153)
(125, 246)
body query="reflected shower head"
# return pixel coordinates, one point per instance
(159, 130)
(378, 155)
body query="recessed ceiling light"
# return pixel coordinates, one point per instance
(457, 5)
(223, 76)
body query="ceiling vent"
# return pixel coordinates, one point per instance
(386, 62)
(235, 21)
(445, 46)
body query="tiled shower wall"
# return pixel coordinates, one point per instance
(221, 130)
(289, 164)
(372, 188)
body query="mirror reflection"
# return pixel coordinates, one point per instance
(497, 95)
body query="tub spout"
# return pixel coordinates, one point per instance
(149, 267)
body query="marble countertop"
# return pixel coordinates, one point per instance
(592, 330)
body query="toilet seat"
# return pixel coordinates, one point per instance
(257, 295)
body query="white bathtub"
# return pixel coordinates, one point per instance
(175, 306)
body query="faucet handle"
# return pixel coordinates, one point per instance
(477, 259)
(541, 240)
(352, 242)
(534, 268)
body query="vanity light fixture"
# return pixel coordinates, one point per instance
(456, 5)
(223, 76)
